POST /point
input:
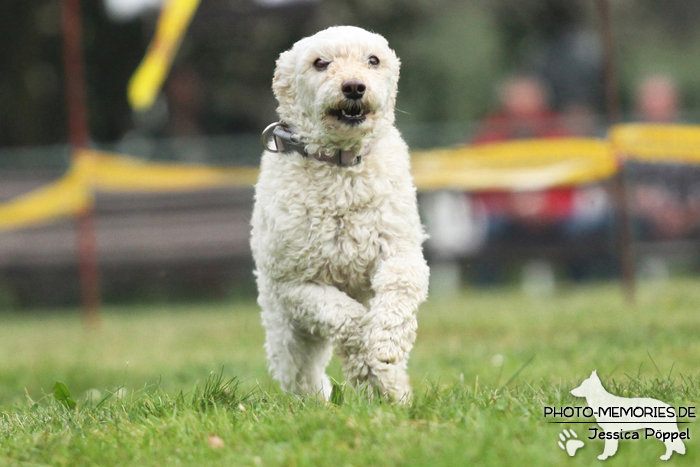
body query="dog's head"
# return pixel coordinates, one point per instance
(589, 387)
(337, 86)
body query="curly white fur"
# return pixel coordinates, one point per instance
(338, 249)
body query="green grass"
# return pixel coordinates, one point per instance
(154, 384)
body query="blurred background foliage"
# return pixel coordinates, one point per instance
(472, 72)
(453, 52)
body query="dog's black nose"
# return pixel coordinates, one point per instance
(353, 88)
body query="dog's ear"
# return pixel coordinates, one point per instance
(395, 63)
(595, 374)
(282, 84)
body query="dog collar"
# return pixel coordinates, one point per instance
(286, 142)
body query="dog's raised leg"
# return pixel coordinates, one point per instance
(302, 322)
(388, 379)
(389, 329)
(609, 450)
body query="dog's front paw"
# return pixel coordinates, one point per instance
(387, 351)
(378, 379)
(347, 332)
(389, 345)
(391, 382)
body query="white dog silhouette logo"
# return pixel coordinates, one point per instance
(617, 415)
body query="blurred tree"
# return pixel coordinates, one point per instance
(113, 50)
(453, 52)
(31, 83)
(31, 86)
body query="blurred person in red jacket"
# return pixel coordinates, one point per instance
(524, 113)
(657, 99)
(560, 215)
(665, 195)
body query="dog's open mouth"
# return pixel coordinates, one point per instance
(352, 114)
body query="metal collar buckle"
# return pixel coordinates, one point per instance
(284, 139)
(286, 142)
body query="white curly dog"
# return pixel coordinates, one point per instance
(336, 235)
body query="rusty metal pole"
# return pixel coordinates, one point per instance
(612, 99)
(79, 139)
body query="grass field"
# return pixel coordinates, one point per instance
(187, 384)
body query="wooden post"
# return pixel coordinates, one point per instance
(79, 139)
(612, 100)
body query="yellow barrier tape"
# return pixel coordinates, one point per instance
(66, 197)
(114, 172)
(516, 165)
(149, 76)
(96, 170)
(657, 143)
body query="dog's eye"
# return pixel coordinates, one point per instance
(373, 60)
(320, 64)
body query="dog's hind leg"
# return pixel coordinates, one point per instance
(676, 445)
(610, 449)
(297, 359)
(303, 322)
